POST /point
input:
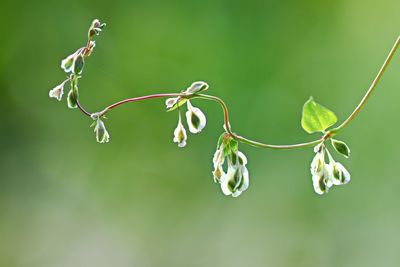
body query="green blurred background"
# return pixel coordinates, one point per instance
(139, 200)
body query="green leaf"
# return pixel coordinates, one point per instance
(316, 118)
(230, 147)
(341, 147)
(180, 103)
(220, 140)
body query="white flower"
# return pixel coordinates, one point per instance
(58, 91)
(196, 87)
(180, 136)
(170, 102)
(95, 28)
(218, 161)
(100, 130)
(68, 64)
(237, 178)
(322, 181)
(235, 181)
(195, 118)
(92, 45)
(338, 174)
(318, 163)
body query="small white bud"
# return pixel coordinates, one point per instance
(68, 64)
(195, 118)
(321, 181)
(236, 180)
(218, 161)
(180, 136)
(318, 163)
(57, 92)
(196, 87)
(100, 130)
(170, 102)
(338, 174)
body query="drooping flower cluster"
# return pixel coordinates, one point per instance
(230, 169)
(325, 175)
(195, 118)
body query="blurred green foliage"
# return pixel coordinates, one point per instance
(139, 200)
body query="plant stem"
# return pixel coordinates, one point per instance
(138, 99)
(371, 88)
(242, 139)
(82, 109)
(248, 141)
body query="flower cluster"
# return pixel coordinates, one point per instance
(230, 170)
(73, 66)
(195, 118)
(325, 175)
(229, 163)
(230, 167)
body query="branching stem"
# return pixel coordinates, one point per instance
(242, 139)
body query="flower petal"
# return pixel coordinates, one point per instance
(57, 92)
(170, 102)
(196, 87)
(195, 118)
(321, 182)
(180, 136)
(100, 130)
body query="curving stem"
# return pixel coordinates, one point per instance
(371, 87)
(242, 139)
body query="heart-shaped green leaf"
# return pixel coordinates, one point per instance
(316, 118)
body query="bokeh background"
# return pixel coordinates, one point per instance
(139, 200)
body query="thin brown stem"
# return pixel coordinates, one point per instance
(82, 109)
(251, 142)
(371, 88)
(242, 139)
(134, 99)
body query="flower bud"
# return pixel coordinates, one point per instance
(95, 28)
(235, 181)
(338, 174)
(237, 178)
(100, 130)
(58, 91)
(218, 161)
(92, 45)
(196, 87)
(318, 163)
(195, 118)
(72, 98)
(321, 181)
(78, 64)
(67, 64)
(170, 102)
(180, 136)
(73, 63)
